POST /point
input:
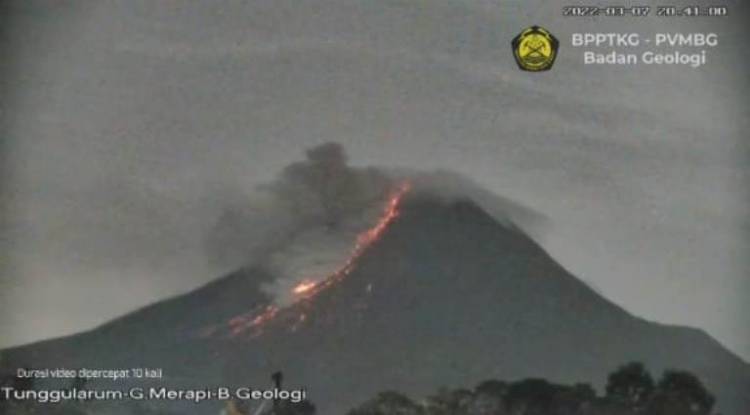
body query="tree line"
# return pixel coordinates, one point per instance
(630, 390)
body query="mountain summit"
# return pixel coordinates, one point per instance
(441, 295)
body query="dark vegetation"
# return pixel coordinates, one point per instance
(630, 390)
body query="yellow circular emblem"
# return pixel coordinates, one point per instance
(535, 49)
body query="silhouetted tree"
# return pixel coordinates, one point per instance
(680, 393)
(388, 403)
(584, 391)
(574, 399)
(450, 402)
(630, 391)
(489, 398)
(531, 397)
(630, 386)
(492, 387)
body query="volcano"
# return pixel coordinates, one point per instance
(443, 294)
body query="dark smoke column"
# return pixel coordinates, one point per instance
(335, 187)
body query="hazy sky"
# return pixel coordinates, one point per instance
(129, 126)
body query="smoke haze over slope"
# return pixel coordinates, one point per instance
(314, 212)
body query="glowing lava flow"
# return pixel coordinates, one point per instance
(303, 287)
(364, 240)
(308, 289)
(251, 320)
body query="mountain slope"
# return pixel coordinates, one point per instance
(446, 296)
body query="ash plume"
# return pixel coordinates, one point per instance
(303, 225)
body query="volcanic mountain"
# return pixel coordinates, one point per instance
(442, 294)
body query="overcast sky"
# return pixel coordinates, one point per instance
(129, 126)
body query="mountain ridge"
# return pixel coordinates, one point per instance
(446, 296)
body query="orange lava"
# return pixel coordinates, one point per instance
(367, 237)
(303, 287)
(308, 289)
(391, 211)
(243, 323)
